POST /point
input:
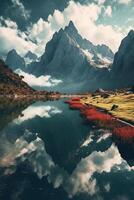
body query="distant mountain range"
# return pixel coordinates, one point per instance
(74, 60)
(30, 57)
(67, 52)
(15, 61)
(81, 65)
(13, 85)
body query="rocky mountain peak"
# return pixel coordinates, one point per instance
(31, 55)
(14, 60)
(13, 51)
(71, 28)
(123, 65)
(131, 33)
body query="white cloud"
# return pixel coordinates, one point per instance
(57, 20)
(103, 137)
(41, 31)
(41, 81)
(22, 10)
(8, 23)
(12, 38)
(107, 35)
(101, 2)
(84, 18)
(81, 15)
(126, 2)
(37, 110)
(108, 11)
(88, 141)
(82, 179)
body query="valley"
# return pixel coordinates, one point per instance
(66, 104)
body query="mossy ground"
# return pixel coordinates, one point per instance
(125, 103)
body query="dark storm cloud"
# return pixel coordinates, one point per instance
(16, 11)
(33, 22)
(42, 8)
(35, 9)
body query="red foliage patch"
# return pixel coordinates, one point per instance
(75, 99)
(94, 114)
(102, 119)
(72, 102)
(75, 103)
(125, 132)
(78, 106)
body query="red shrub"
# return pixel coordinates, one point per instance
(71, 102)
(75, 103)
(93, 114)
(102, 119)
(76, 99)
(124, 132)
(78, 106)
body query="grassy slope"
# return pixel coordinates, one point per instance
(125, 104)
(11, 83)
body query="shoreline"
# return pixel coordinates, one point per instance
(102, 119)
(118, 105)
(42, 96)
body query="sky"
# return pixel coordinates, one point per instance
(28, 25)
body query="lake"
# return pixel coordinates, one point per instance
(48, 151)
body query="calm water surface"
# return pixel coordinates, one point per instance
(48, 151)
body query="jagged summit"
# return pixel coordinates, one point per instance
(131, 33)
(85, 44)
(14, 60)
(13, 51)
(71, 24)
(74, 60)
(31, 55)
(71, 27)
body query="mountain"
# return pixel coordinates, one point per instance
(11, 83)
(30, 57)
(74, 60)
(14, 60)
(122, 70)
(97, 51)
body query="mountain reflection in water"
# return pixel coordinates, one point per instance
(48, 151)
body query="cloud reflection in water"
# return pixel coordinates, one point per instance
(32, 148)
(34, 110)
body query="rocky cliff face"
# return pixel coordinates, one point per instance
(85, 44)
(81, 65)
(122, 71)
(68, 49)
(30, 57)
(15, 61)
(74, 60)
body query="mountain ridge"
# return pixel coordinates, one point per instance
(122, 70)
(14, 60)
(84, 66)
